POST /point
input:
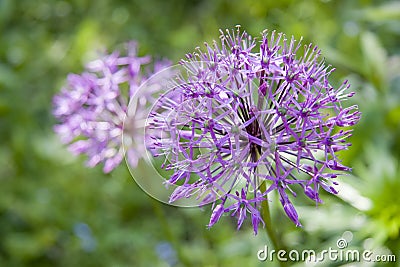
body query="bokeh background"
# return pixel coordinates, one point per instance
(56, 212)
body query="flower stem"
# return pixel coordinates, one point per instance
(266, 215)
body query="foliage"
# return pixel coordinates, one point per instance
(56, 212)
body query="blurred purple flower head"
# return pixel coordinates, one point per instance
(92, 106)
(250, 117)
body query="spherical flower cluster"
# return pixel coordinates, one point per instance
(250, 117)
(92, 106)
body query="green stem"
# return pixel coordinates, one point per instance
(266, 215)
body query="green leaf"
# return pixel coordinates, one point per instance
(385, 12)
(375, 57)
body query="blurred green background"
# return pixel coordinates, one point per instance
(56, 212)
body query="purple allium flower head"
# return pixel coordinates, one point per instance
(250, 117)
(92, 106)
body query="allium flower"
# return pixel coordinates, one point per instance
(92, 106)
(247, 118)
